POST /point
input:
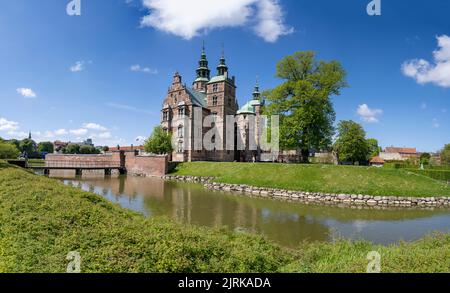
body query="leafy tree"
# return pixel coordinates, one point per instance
(303, 101)
(445, 155)
(105, 148)
(351, 145)
(160, 142)
(72, 149)
(375, 149)
(8, 151)
(425, 158)
(46, 147)
(88, 150)
(16, 143)
(29, 147)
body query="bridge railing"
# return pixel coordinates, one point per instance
(80, 164)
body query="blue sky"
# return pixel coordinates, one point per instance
(74, 77)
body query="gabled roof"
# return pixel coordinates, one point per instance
(411, 151)
(198, 99)
(377, 160)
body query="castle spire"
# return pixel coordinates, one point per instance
(203, 72)
(222, 69)
(256, 92)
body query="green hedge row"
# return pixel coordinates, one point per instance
(443, 175)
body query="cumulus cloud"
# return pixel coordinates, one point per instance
(139, 68)
(94, 126)
(77, 67)
(367, 114)
(6, 125)
(436, 72)
(189, 19)
(26, 92)
(79, 132)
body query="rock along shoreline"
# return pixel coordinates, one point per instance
(352, 200)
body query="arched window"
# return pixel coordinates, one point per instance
(180, 131)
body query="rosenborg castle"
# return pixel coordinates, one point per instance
(199, 118)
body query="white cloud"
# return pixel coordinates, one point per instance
(6, 125)
(425, 72)
(79, 132)
(367, 114)
(139, 68)
(94, 126)
(188, 19)
(26, 92)
(436, 123)
(61, 132)
(77, 67)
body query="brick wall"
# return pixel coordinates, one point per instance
(135, 165)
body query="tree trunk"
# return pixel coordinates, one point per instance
(305, 156)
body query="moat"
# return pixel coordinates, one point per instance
(286, 223)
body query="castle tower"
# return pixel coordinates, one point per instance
(203, 73)
(221, 100)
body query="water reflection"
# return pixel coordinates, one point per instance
(284, 222)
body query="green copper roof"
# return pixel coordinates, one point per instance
(217, 78)
(198, 99)
(247, 109)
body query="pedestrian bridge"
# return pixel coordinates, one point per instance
(79, 166)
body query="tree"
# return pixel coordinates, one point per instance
(445, 155)
(351, 145)
(106, 149)
(425, 158)
(29, 147)
(160, 142)
(8, 151)
(374, 148)
(46, 147)
(72, 149)
(303, 101)
(88, 150)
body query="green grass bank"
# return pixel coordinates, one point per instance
(42, 220)
(321, 178)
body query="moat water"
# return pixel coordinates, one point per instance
(286, 223)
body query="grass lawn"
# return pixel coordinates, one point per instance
(42, 220)
(320, 178)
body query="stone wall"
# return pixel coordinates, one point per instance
(318, 197)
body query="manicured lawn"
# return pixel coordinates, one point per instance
(42, 220)
(321, 178)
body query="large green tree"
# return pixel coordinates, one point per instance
(160, 142)
(303, 101)
(445, 155)
(88, 150)
(72, 149)
(46, 147)
(351, 144)
(375, 149)
(8, 151)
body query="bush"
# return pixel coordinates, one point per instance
(8, 151)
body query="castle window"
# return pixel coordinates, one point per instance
(214, 101)
(215, 88)
(214, 117)
(165, 116)
(180, 131)
(181, 111)
(213, 139)
(180, 148)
